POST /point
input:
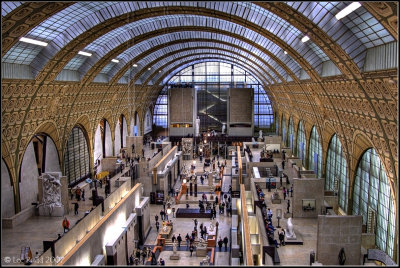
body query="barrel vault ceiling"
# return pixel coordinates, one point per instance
(152, 41)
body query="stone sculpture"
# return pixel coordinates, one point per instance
(211, 227)
(290, 235)
(51, 200)
(260, 134)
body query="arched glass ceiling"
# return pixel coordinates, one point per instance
(163, 62)
(193, 47)
(144, 46)
(111, 40)
(269, 22)
(7, 7)
(154, 75)
(198, 60)
(354, 33)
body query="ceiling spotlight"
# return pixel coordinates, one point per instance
(305, 39)
(347, 10)
(85, 53)
(159, 71)
(134, 65)
(149, 68)
(32, 41)
(285, 52)
(115, 60)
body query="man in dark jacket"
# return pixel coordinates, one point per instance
(226, 243)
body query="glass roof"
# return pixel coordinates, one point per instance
(186, 65)
(193, 46)
(237, 61)
(171, 59)
(354, 33)
(144, 46)
(128, 32)
(7, 7)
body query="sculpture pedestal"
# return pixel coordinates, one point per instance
(174, 256)
(201, 251)
(287, 237)
(56, 212)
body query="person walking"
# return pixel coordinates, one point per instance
(156, 217)
(83, 194)
(220, 242)
(283, 164)
(162, 214)
(226, 243)
(173, 238)
(284, 193)
(187, 237)
(65, 225)
(76, 207)
(282, 237)
(191, 249)
(162, 262)
(78, 194)
(157, 226)
(179, 239)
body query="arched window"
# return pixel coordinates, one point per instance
(301, 143)
(372, 194)
(212, 81)
(336, 169)
(284, 139)
(290, 135)
(315, 153)
(76, 157)
(160, 113)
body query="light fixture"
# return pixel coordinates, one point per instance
(159, 71)
(347, 10)
(305, 39)
(169, 210)
(149, 68)
(32, 41)
(285, 52)
(115, 60)
(184, 180)
(134, 65)
(85, 53)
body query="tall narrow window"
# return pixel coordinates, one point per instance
(76, 157)
(336, 172)
(277, 124)
(315, 153)
(372, 192)
(290, 136)
(284, 137)
(301, 143)
(160, 114)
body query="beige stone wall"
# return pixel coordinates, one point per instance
(336, 232)
(240, 105)
(307, 188)
(181, 105)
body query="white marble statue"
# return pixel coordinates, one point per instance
(260, 134)
(223, 128)
(211, 227)
(289, 228)
(51, 192)
(165, 228)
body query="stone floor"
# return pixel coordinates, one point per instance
(36, 229)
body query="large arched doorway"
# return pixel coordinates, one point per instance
(40, 156)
